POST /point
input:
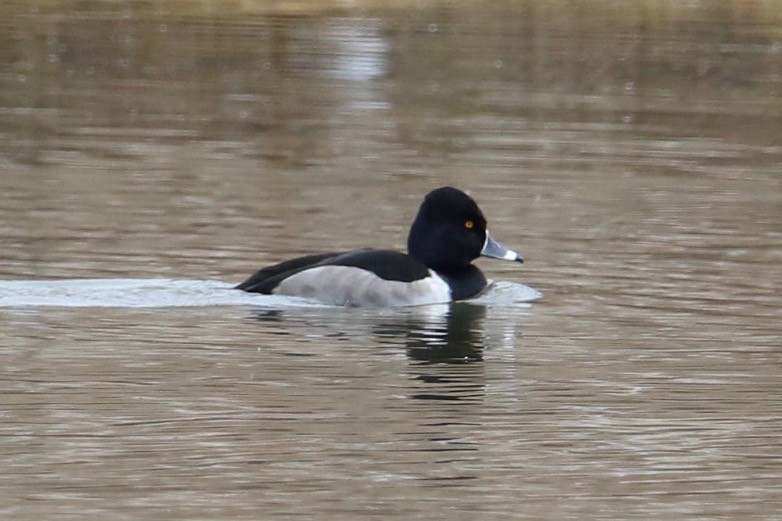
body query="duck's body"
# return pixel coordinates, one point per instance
(446, 236)
(372, 278)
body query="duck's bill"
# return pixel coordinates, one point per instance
(492, 248)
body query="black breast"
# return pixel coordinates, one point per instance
(465, 282)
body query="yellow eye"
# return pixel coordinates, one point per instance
(469, 225)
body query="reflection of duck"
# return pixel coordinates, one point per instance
(451, 333)
(445, 343)
(457, 338)
(448, 233)
(446, 356)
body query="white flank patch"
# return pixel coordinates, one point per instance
(350, 286)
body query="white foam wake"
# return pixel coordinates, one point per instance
(149, 293)
(154, 293)
(506, 293)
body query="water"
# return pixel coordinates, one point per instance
(165, 293)
(152, 158)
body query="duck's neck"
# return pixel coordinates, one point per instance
(465, 282)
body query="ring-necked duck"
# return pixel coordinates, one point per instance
(448, 233)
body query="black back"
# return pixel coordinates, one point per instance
(258, 282)
(386, 264)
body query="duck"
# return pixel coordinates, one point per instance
(448, 233)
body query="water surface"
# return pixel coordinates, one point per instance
(630, 152)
